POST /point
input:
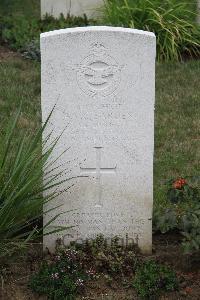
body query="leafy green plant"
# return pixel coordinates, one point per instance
(19, 31)
(61, 278)
(191, 229)
(185, 218)
(22, 165)
(151, 279)
(172, 22)
(165, 219)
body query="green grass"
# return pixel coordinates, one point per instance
(20, 82)
(177, 122)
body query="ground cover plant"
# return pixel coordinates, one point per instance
(151, 279)
(66, 274)
(62, 277)
(172, 21)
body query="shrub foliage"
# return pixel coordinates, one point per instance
(22, 33)
(172, 21)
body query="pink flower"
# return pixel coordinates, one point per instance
(55, 276)
(79, 282)
(91, 272)
(57, 258)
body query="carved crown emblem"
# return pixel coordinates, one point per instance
(98, 49)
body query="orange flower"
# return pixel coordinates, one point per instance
(183, 181)
(188, 290)
(179, 183)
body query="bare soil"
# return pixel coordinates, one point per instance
(6, 53)
(166, 249)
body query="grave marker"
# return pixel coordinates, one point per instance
(102, 81)
(72, 7)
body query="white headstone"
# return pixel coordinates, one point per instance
(102, 81)
(72, 7)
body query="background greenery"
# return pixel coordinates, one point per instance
(173, 22)
(31, 8)
(27, 8)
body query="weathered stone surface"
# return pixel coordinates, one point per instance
(102, 81)
(73, 7)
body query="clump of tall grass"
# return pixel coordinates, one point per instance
(23, 165)
(172, 21)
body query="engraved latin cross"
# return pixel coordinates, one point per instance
(98, 171)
